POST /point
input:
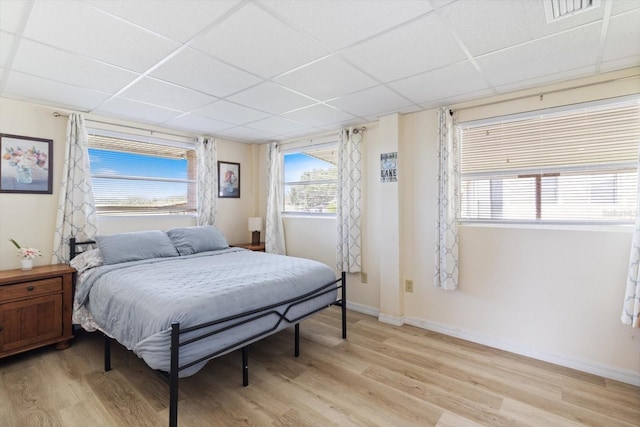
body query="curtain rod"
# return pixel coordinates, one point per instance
(319, 136)
(152, 132)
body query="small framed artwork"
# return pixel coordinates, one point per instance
(26, 164)
(228, 179)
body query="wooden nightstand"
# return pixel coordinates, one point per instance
(35, 308)
(255, 248)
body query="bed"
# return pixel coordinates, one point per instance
(183, 297)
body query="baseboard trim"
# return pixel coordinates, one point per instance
(391, 320)
(628, 377)
(364, 309)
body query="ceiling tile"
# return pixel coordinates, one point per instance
(198, 71)
(318, 80)
(261, 44)
(450, 100)
(449, 81)
(55, 93)
(197, 123)
(573, 73)
(157, 92)
(230, 112)
(43, 61)
(79, 28)
(571, 50)
(280, 126)
(271, 98)
(420, 46)
(175, 19)
(621, 27)
(350, 21)
(500, 24)
(320, 115)
(11, 13)
(620, 6)
(134, 110)
(370, 102)
(6, 42)
(619, 64)
(242, 133)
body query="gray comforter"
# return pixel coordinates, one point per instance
(136, 302)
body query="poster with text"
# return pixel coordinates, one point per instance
(389, 167)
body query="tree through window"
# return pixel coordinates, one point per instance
(311, 179)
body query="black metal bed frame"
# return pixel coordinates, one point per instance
(236, 320)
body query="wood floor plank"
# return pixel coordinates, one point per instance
(454, 420)
(382, 375)
(534, 417)
(123, 402)
(84, 413)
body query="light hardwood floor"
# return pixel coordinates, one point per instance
(382, 375)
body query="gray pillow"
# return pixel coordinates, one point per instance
(191, 240)
(123, 247)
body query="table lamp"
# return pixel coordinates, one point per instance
(255, 225)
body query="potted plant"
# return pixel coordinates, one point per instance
(26, 255)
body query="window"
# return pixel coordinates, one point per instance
(135, 177)
(311, 180)
(560, 166)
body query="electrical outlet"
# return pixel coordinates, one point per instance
(408, 285)
(363, 277)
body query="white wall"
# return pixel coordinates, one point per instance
(30, 219)
(551, 293)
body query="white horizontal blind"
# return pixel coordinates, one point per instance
(578, 166)
(311, 180)
(135, 177)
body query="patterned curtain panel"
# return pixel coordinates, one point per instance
(631, 306)
(76, 209)
(207, 181)
(274, 230)
(446, 268)
(349, 197)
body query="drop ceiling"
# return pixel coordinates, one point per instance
(257, 71)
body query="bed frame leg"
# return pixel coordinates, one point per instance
(344, 305)
(296, 350)
(245, 366)
(107, 353)
(173, 375)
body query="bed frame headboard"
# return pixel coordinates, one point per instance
(76, 247)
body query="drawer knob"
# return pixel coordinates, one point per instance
(30, 288)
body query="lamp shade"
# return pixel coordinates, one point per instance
(255, 223)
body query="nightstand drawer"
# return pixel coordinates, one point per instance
(30, 289)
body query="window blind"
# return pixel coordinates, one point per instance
(576, 165)
(135, 177)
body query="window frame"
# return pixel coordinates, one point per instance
(539, 174)
(297, 149)
(140, 139)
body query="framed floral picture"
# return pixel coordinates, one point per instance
(26, 164)
(228, 179)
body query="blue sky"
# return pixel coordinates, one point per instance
(117, 163)
(296, 164)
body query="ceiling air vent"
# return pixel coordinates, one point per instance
(558, 9)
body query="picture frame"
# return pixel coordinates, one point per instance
(26, 164)
(228, 180)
